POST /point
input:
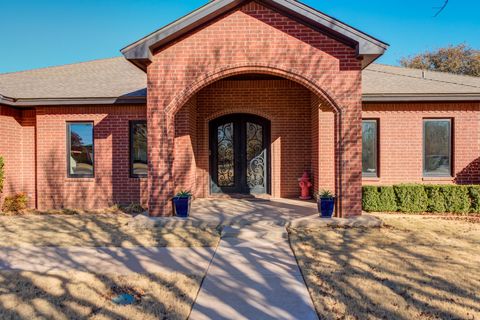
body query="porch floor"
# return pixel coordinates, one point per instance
(242, 212)
(209, 212)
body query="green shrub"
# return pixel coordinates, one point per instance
(474, 193)
(2, 174)
(370, 198)
(411, 198)
(457, 199)
(416, 198)
(388, 200)
(15, 204)
(436, 199)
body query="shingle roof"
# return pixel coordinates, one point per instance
(108, 78)
(383, 82)
(117, 80)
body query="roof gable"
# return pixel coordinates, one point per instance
(367, 47)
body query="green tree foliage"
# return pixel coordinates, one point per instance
(460, 59)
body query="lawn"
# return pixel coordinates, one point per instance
(96, 230)
(415, 267)
(80, 295)
(86, 295)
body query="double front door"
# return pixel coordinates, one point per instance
(239, 154)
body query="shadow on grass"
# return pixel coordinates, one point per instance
(78, 289)
(389, 273)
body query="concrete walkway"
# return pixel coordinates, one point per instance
(107, 259)
(253, 278)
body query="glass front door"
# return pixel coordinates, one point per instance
(239, 154)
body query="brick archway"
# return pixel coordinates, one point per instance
(201, 82)
(186, 94)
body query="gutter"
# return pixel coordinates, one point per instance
(379, 98)
(6, 100)
(420, 97)
(28, 102)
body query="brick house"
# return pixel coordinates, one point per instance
(237, 98)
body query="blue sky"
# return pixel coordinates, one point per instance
(36, 33)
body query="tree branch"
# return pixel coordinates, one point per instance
(441, 8)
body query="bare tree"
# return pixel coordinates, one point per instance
(459, 59)
(440, 9)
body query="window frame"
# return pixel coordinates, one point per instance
(132, 124)
(450, 150)
(377, 148)
(69, 150)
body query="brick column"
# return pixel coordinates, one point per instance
(160, 167)
(350, 201)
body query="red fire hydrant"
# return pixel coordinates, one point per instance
(305, 184)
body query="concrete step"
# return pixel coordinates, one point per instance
(252, 233)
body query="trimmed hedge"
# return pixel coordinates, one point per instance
(377, 199)
(436, 199)
(416, 198)
(411, 198)
(474, 193)
(370, 199)
(457, 199)
(388, 199)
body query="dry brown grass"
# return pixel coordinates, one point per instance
(94, 230)
(414, 268)
(79, 295)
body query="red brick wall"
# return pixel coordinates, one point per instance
(184, 166)
(29, 154)
(323, 146)
(112, 183)
(254, 39)
(17, 147)
(401, 141)
(285, 103)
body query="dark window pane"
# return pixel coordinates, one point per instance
(437, 146)
(225, 165)
(80, 149)
(139, 149)
(369, 147)
(256, 158)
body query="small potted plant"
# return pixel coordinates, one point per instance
(181, 203)
(326, 203)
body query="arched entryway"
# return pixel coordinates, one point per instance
(239, 161)
(283, 118)
(306, 134)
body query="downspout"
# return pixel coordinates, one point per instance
(340, 164)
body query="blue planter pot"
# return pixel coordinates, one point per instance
(181, 206)
(326, 206)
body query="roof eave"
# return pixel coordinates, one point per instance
(421, 97)
(139, 52)
(6, 100)
(30, 102)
